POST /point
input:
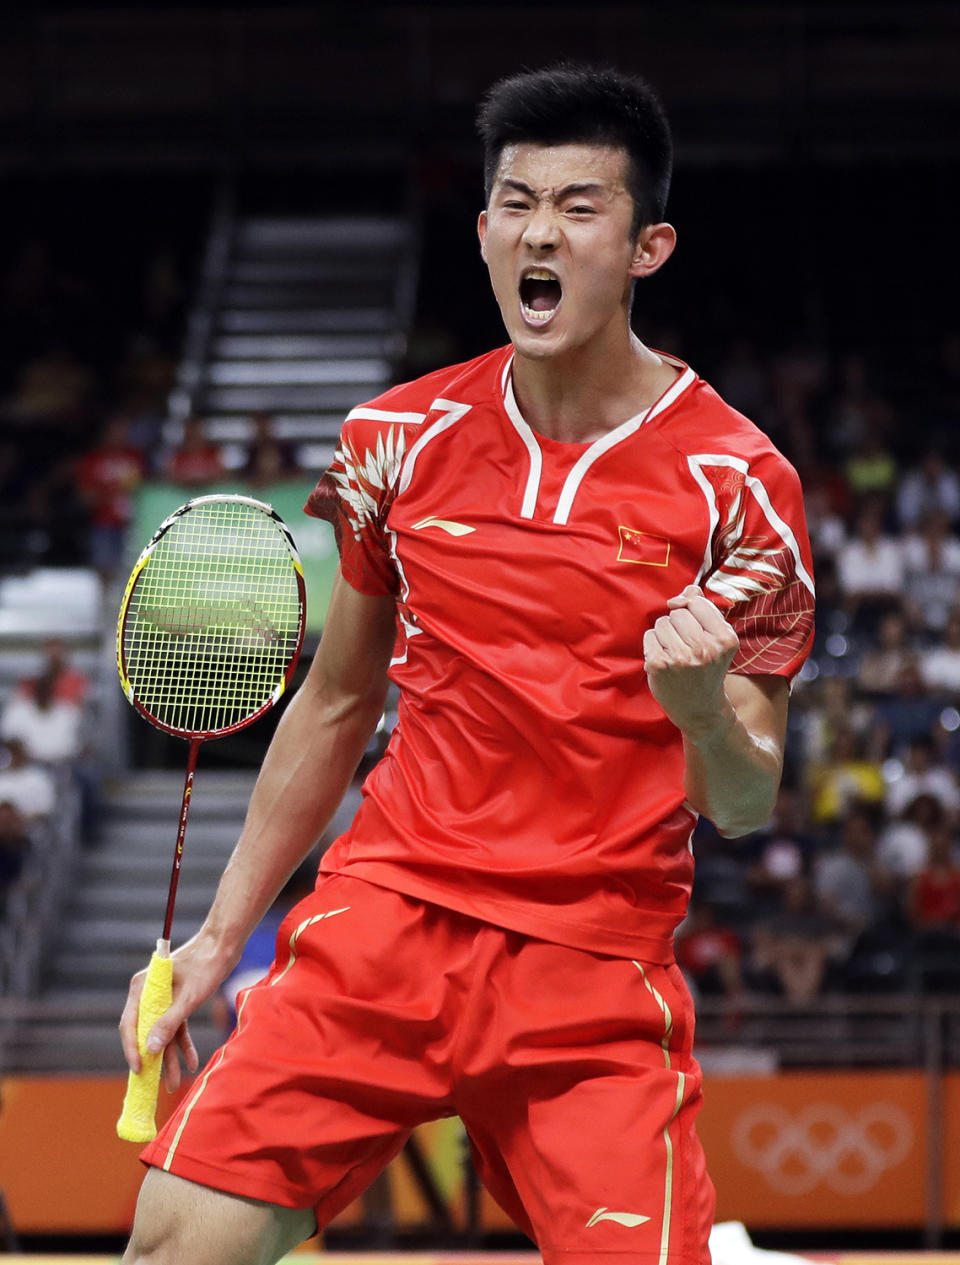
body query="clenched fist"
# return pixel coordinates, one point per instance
(687, 654)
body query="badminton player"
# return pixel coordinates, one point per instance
(590, 580)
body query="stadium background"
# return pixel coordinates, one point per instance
(815, 196)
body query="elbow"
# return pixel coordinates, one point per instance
(742, 826)
(743, 814)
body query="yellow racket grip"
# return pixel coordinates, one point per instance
(136, 1123)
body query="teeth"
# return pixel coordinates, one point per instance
(539, 274)
(531, 315)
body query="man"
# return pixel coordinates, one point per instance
(590, 580)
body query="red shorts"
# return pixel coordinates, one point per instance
(572, 1073)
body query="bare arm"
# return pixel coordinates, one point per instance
(733, 726)
(314, 754)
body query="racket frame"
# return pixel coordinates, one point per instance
(193, 734)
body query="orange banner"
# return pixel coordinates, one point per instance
(818, 1149)
(949, 1111)
(794, 1150)
(63, 1169)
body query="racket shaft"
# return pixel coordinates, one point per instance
(137, 1119)
(181, 835)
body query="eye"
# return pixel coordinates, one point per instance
(582, 210)
(515, 205)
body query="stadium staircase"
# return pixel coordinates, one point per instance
(113, 913)
(299, 317)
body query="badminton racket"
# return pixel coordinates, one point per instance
(208, 637)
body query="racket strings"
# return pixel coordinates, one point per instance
(213, 619)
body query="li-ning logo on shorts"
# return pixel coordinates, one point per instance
(822, 1144)
(630, 1219)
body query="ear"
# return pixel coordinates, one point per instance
(653, 248)
(482, 234)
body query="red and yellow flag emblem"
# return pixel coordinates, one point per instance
(643, 547)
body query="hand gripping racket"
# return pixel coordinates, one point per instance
(208, 637)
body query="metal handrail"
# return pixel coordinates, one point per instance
(200, 322)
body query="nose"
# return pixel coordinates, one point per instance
(541, 232)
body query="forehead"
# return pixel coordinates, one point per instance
(551, 167)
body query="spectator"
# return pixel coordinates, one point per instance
(933, 909)
(792, 950)
(50, 731)
(269, 459)
(106, 479)
(882, 665)
(904, 843)
(921, 775)
(907, 715)
(871, 468)
(933, 901)
(847, 777)
(851, 886)
(836, 708)
(14, 844)
(932, 574)
(870, 565)
(709, 954)
(27, 786)
(827, 530)
(780, 853)
(940, 663)
(930, 487)
(69, 684)
(196, 461)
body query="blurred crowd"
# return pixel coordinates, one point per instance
(45, 740)
(83, 410)
(854, 885)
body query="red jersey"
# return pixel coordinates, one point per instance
(935, 898)
(532, 780)
(107, 477)
(202, 464)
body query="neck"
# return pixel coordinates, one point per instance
(581, 396)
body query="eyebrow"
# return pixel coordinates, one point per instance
(580, 186)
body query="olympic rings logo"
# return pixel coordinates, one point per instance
(824, 1143)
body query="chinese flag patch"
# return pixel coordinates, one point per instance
(643, 547)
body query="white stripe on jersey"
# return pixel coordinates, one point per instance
(385, 415)
(748, 557)
(532, 490)
(613, 437)
(453, 413)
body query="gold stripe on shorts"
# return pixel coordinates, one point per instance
(308, 922)
(668, 1141)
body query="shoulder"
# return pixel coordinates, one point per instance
(378, 434)
(410, 403)
(704, 423)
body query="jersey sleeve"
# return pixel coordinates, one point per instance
(762, 572)
(355, 495)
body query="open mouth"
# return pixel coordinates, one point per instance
(540, 295)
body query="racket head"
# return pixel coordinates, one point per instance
(212, 619)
